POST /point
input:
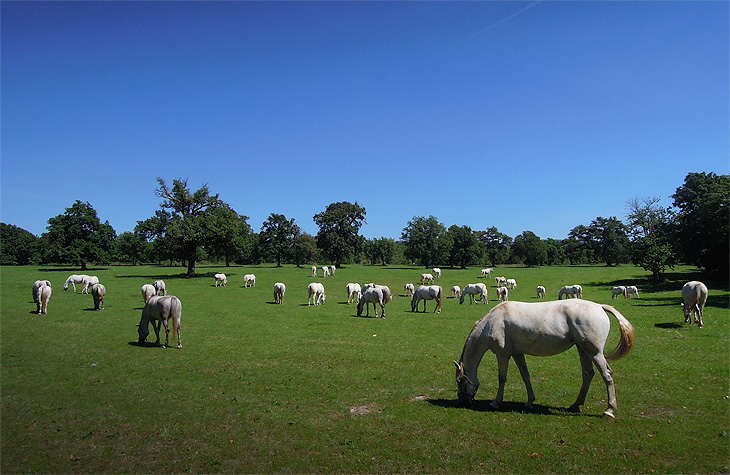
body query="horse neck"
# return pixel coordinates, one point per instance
(474, 349)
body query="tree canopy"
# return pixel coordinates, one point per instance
(339, 230)
(423, 238)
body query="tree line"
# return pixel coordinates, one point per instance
(195, 226)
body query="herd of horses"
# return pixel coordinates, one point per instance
(510, 330)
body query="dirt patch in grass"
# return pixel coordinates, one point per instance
(365, 410)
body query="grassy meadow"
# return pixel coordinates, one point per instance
(259, 387)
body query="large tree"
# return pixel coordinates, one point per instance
(190, 211)
(530, 249)
(650, 229)
(609, 240)
(277, 237)
(228, 235)
(380, 250)
(497, 245)
(17, 246)
(339, 230)
(703, 221)
(131, 247)
(424, 240)
(464, 249)
(78, 237)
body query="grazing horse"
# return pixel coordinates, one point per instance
(148, 290)
(373, 295)
(515, 329)
(220, 279)
(159, 286)
(354, 292)
(159, 310)
(541, 292)
(632, 291)
(618, 290)
(456, 292)
(512, 283)
(502, 294)
(36, 285)
(325, 271)
(279, 291)
(427, 292)
(98, 291)
(74, 279)
(437, 272)
(43, 295)
(314, 271)
(249, 279)
(474, 289)
(88, 282)
(694, 297)
(426, 277)
(486, 272)
(408, 289)
(316, 294)
(332, 269)
(571, 291)
(500, 281)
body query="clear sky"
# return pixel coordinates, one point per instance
(536, 116)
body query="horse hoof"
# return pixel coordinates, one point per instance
(609, 416)
(179, 346)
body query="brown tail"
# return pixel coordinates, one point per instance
(627, 335)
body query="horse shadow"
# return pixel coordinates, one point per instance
(144, 344)
(507, 406)
(668, 325)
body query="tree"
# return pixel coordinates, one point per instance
(703, 221)
(187, 228)
(555, 252)
(154, 230)
(380, 251)
(649, 226)
(496, 245)
(339, 230)
(78, 236)
(130, 247)
(465, 248)
(277, 237)
(530, 249)
(304, 248)
(17, 246)
(423, 239)
(609, 240)
(228, 234)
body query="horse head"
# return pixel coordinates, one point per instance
(143, 330)
(466, 390)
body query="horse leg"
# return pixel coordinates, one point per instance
(586, 364)
(522, 366)
(167, 333)
(600, 361)
(502, 365)
(156, 326)
(382, 308)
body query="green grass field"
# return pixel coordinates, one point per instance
(259, 387)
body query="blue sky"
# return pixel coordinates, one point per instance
(534, 116)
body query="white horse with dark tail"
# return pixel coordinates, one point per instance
(74, 279)
(98, 291)
(36, 285)
(428, 292)
(471, 290)
(373, 295)
(515, 329)
(43, 295)
(160, 310)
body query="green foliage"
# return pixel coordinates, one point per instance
(530, 249)
(130, 247)
(277, 237)
(78, 237)
(17, 246)
(424, 241)
(651, 228)
(703, 221)
(464, 248)
(496, 245)
(339, 231)
(380, 251)
(263, 388)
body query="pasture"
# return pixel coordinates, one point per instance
(260, 387)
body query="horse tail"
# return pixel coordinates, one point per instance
(440, 296)
(627, 335)
(176, 314)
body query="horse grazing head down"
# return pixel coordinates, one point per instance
(466, 390)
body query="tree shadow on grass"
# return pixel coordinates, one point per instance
(479, 405)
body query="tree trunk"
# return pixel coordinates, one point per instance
(191, 268)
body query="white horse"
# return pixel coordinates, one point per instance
(325, 271)
(571, 291)
(632, 291)
(249, 279)
(437, 272)
(74, 279)
(43, 295)
(500, 281)
(618, 290)
(456, 292)
(486, 272)
(502, 294)
(694, 297)
(98, 291)
(314, 271)
(88, 282)
(373, 295)
(515, 329)
(220, 279)
(408, 289)
(148, 290)
(36, 285)
(387, 294)
(332, 269)
(541, 292)
(354, 292)
(159, 310)
(279, 291)
(474, 289)
(427, 292)
(512, 283)
(426, 277)
(316, 294)
(159, 286)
